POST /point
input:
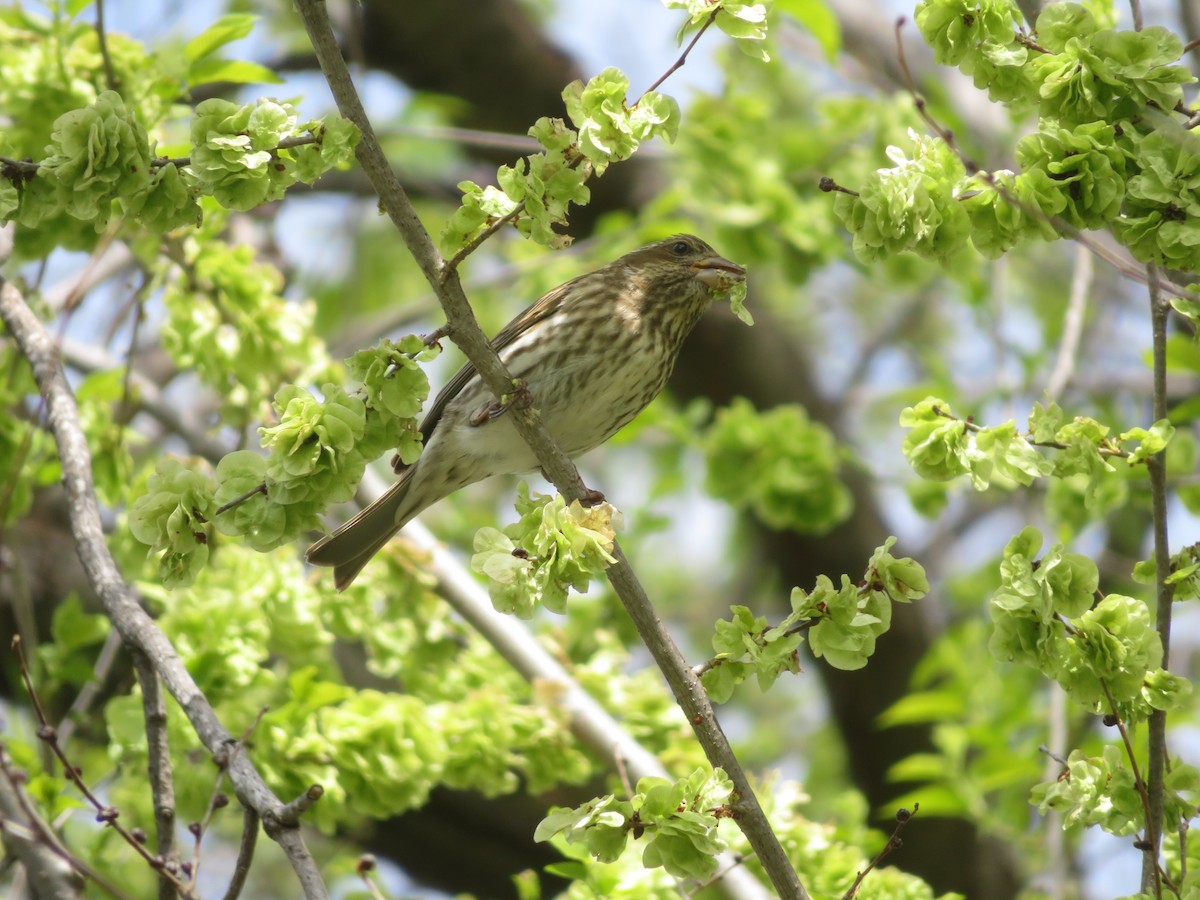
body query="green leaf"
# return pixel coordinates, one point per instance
(235, 71)
(818, 20)
(1153, 440)
(224, 31)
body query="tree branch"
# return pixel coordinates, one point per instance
(1156, 469)
(466, 333)
(245, 854)
(1068, 348)
(50, 868)
(158, 764)
(120, 602)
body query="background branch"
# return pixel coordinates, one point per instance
(158, 765)
(1156, 468)
(49, 866)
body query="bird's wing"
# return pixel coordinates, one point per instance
(514, 329)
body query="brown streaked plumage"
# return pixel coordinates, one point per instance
(593, 352)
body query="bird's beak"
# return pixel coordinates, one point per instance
(718, 272)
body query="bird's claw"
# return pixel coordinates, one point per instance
(520, 398)
(434, 338)
(591, 497)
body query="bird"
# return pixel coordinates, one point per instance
(591, 354)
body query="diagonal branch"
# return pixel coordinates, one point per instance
(120, 601)
(464, 330)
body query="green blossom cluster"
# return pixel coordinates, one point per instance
(99, 162)
(1094, 791)
(96, 155)
(1102, 790)
(678, 820)
(745, 22)
(1106, 153)
(51, 66)
(909, 207)
(1083, 164)
(171, 518)
(1161, 223)
(235, 156)
(1076, 175)
(256, 633)
(940, 446)
(396, 388)
(313, 448)
(552, 547)
(316, 455)
(244, 156)
(1103, 652)
(780, 464)
(981, 39)
(498, 733)
(228, 321)
(1092, 74)
(539, 189)
(608, 131)
(827, 855)
(842, 622)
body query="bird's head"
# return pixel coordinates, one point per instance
(685, 257)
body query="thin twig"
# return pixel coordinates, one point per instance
(105, 660)
(903, 817)
(218, 799)
(37, 846)
(158, 766)
(120, 602)
(682, 57)
(293, 810)
(110, 77)
(107, 815)
(242, 498)
(85, 282)
(1157, 471)
(364, 868)
(138, 316)
(472, 245)
(1149, 844)
(245, 855)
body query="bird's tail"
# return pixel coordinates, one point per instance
(351, 546)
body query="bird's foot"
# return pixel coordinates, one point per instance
(434, 338)
(520, 398)
(591, 497)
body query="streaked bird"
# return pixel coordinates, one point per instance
(592, 353)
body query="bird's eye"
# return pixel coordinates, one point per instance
(679, 248)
